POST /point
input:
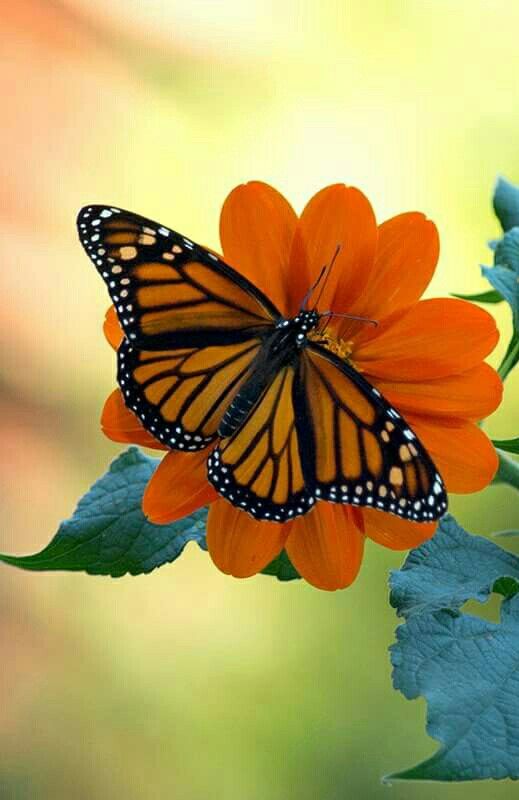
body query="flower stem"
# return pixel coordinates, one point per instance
(510, 359)
(508, 470)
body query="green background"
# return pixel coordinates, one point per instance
(185, 683)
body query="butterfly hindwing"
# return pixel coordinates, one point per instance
(258, 468)
(362, 450)
(167, 290)
(320, 431)
(181, 394)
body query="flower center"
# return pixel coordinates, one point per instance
(338, 347)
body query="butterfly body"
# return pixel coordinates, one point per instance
(209, 362)
(280, 348)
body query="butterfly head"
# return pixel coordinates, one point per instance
(300, 326)
(305, 322)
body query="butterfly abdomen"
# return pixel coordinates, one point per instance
(275, 352)
(244, 402)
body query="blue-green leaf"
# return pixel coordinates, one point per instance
(109, 535)
(481, 297)
(504, 275)
(506, 203)
(466, 668)
(282, 568)
(468, 671)
(449, 569)
(506, 252)
(506, 283)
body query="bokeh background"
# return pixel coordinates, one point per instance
(187, 684)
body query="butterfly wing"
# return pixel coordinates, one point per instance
(181, 394)
(169, 291)
(361, 450)
(259, 468)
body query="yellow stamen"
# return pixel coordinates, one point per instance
(338, 347)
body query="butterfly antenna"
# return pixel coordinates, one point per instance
(312, 288)
(323, 329)
(350, 316)
(332, 262)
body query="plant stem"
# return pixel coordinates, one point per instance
(508, 470)
(511, 358)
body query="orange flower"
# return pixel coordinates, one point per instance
(425, 356)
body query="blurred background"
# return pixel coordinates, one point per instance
(187, 684)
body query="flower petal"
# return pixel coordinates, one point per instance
(326, 546)
(111, 328)
(407, 253)
(432, 339)
(257, 226)
(240, 545)
(464, 455)
(473, 394)
(336, 216)
(178, 487)
(120, 424)
(395, 533)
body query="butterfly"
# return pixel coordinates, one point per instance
(207, 360)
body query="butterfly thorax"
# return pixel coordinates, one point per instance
(297, 329)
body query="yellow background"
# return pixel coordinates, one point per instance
(188, 684)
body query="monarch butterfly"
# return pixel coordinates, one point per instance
(207, 359)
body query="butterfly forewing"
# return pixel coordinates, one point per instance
(167, 290)
(361, 450)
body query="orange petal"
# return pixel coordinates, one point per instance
(473, 394)
(257, 226)
(178, 487)
(240, 545)
(336, 216)
(407, 253)
(464, 455)
(111, 328)
(432, 339)
(326, 546)
(120, 424)
(395, 533)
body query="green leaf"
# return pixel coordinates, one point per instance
(466, 668)
(508, 445)
(482, 297)
(505, 534)
(507, 587)
(108, 533)
(282, 568)
(506, 203)
(511, 356)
